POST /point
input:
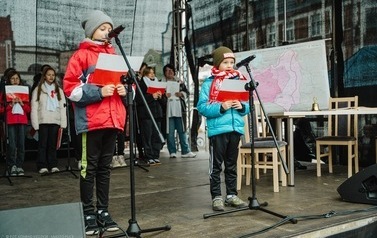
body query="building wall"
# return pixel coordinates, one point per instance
(6, 44)
(25, 56)
(56, 24)
(266, 24)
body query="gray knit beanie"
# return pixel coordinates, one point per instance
(93, 20)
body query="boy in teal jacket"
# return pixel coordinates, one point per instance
(225, 125)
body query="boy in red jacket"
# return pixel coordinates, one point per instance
(99, 115)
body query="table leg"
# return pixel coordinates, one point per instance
(291, 159)
(279, 133)
(290, 154)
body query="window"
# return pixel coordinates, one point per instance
(253, 40)
(315, 25)
(290, 31)
(271, 33)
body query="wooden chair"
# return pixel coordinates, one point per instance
(264, 147)
(340, 136)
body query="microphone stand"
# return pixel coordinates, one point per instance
(133, 228)
(253, 201)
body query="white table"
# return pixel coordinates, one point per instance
(290, 115)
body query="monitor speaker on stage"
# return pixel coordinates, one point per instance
(361, 187)
(63, 220)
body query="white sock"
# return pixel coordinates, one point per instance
(230, 196)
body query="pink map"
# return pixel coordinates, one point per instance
(280, 83)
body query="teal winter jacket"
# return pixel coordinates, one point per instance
(220, 122)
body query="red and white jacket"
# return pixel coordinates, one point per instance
(92, 112)
(12, 119)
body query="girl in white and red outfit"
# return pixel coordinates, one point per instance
(16, 119)
(99, 114)
(48, 115)
(225, 125)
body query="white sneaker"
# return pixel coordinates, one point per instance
(188, 155)
(314, 161)
(115, 162)
(173, 155)
(13, 171)
(122, 161)
(54, 170)
(20, 171)
(43, 171)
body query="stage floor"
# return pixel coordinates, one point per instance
(176, 193)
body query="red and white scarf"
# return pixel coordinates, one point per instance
(219, 76)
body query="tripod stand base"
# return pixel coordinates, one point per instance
(8, 177)
(135, 231)
(140, 165)
(9, 180)
(253, 205)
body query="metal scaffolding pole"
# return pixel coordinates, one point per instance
(179, 52)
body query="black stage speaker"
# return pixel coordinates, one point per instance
(361, 187)
(63, 220)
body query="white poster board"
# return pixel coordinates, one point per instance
(290, 77)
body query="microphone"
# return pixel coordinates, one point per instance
(115, 32)
(245, 61)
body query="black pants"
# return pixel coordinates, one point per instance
(119, 146)
(97, 153)
(47, 140)
(223, 148)
(16, 145)
(138, 138)
(151, 139)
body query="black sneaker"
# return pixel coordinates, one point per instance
(104, 220)
(91, 226)
(142, 162)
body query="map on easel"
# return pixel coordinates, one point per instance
(290, 76)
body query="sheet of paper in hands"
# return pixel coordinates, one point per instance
(13, 91)
(154, 86)
(110, 68)
(172, 87)
(233, 89)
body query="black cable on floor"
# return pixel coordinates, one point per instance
(308, 217)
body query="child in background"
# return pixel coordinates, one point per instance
(225, 125)
(48, 115)
(16, 119)
(151, 140)
(99, 115)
